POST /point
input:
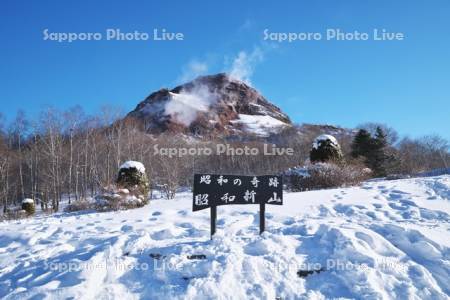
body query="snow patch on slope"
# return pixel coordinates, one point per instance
(259, 125)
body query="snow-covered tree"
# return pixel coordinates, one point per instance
(325, 148)
(28, 206)
(132, 176)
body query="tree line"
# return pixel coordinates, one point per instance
(73, 155)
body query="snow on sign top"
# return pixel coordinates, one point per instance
(324, 137)
(133, 164)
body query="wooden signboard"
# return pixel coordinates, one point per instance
(211, 191)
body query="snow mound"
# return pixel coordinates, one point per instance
(380, 240)
(133, 164)
(27, 200)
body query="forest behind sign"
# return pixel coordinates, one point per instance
(214, 190)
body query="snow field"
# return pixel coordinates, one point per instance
(382, 240)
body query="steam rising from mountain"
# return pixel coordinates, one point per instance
(211, 105)
(184, 107)
(243, 65)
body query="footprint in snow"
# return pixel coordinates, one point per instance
(126, 228)
(184, 225)
(220, 222)
(397, 207)
(399, 192)
(44, 242)
(157, 213)
(408, 202)
(163, 234)
(347, 210)
(289, 221)
(395, 196)
(372, 215)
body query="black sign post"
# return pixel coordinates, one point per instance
(213, 219)
(211, 191)
(262, 217)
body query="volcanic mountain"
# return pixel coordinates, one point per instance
(214, 105)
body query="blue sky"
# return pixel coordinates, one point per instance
(405, 84)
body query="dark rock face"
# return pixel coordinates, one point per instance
(208, 105)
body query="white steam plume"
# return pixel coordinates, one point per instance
(183, 107)
(243, 65)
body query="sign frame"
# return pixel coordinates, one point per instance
(212, 190)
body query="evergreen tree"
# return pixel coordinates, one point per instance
(361, 144)
(374, 150)
(378, 157)
(380, 138)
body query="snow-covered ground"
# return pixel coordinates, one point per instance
(382, 240)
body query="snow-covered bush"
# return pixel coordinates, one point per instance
(325, 148)
(28, 206)
(78, 205)
(14, 213)
(293, 177)
(324, 175)
(132, 177)
(115, 198)
(130, 191)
